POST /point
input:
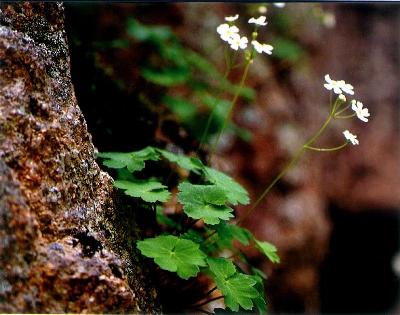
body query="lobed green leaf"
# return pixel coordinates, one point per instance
(188, 163)
(174, 254)
(205, 202)
(133, 161)
(228, 232)
(268, 250)
(235, 192)
(238, 289)
(148, 190)
(153, 33)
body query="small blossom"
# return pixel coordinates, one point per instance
(262, 9)
(350, 137)
(338, 86)
(280, 4)
(226, 31)
(329, 20)
(342, 97)
(259, 21)
(232, 18)
(347, 88)
(260, 48)
(237, 42)
(362, 113)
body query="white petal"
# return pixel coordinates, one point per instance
(232, 18)
(328, 78)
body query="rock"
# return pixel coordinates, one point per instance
(67, 243)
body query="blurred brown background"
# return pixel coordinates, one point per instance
(335, 217)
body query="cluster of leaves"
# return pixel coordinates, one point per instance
(192, 249)
(177, 66)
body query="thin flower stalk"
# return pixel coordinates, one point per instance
(231, 107)
(211, 116)
(345, 116)
(292, 162)
(308, 147)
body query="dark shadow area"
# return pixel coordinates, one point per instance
(357, 276)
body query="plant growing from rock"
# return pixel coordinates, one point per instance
(206, 240)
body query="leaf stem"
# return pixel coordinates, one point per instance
(211, 290)
(208, 301)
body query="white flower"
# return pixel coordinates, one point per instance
(347, 88)
(280, 4)
(232, 18)
(262, 9)
(342, 97)
(362, 113)
(260, 48)
(338, 86)
(237, 42)
(226, 31)
(350, 137)
(259, 21)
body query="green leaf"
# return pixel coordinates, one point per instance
(134, 161)
(238, 289)
(228, 232)
(166, 76)
(259, 273)
(205, 202)
(141, 32)
(163, 219)
(246, 92)
(259, 301)
(187, 163)
(174, 254)
(235, 192)
(174, 52)
(148, 190)
(219, 106)
(193, 236)
(185, 110)
(221, 267)
(268, 250)
(201, 63)
(287, 49)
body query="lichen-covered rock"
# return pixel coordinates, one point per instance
(65, 244)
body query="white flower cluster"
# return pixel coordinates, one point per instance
(230, 34)
(338, 87)
(260, 48)
(362, 113)
(350, 137)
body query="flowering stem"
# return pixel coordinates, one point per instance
(298, 154)
(227, 58)
(342, 110)
(346, 116)
(210, 117)
(326, 149)
(232, 105)
(288, 166)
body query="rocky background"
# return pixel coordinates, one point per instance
(64, 245)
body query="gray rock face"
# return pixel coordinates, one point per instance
(65, 244)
